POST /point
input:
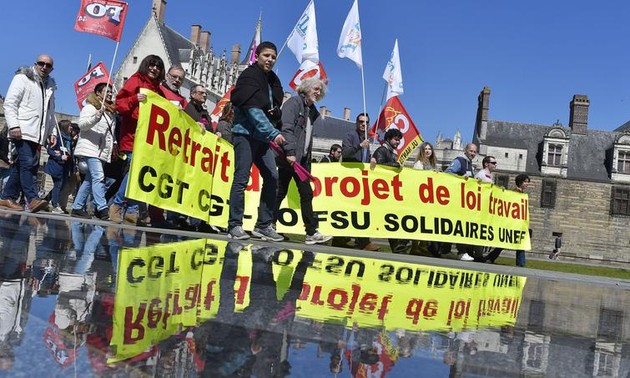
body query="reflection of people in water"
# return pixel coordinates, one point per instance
(251, 342)
(15, 286)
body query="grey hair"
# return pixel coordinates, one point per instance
(309, 83)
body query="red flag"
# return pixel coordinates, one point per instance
(85, 85)
(218, 109)
(395, 115)
(102, 17)
(307, 70)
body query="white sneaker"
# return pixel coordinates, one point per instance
(466, 257)
(316, 238)
(57, 210)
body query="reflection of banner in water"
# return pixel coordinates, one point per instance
(395, 295)
(179, 167)
(163, 289)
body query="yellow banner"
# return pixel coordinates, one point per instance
(177, 166)
(164, 289)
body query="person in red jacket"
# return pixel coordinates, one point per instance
(149, 75)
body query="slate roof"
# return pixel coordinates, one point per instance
(589, 155)
(332, 128)
(177, 46)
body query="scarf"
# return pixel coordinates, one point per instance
(96, 101)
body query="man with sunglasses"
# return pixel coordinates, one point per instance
(334, 155)
(29, 108)
(487, 173)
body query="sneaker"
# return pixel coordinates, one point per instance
(237, 233)
(102, 214)
(37, 204)
(317, 238)
(57, 210)
(465, 257)
(115, 213)
(80, 213)
(10, 204)
(370, 247)
(268, 234)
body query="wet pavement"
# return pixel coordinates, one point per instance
(90, 298)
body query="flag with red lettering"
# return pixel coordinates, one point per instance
(85, 85)
(102, 17)
(394, 115)
(307, 70)
(218, 109)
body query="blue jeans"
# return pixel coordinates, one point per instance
(246, 152)
(58, 183)
(23, 173)
(119, 198)
(94, 183)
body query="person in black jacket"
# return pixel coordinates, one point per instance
(298, 117)
(386, 155)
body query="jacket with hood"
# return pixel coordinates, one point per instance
(30, 105)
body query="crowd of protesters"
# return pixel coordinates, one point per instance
(91, 159)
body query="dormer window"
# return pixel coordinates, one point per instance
(620, 171)
(555, 152)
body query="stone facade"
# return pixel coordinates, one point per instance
(579, 188)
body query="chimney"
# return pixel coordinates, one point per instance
(346, 114)
(323, 111)
(578, 114)
(194, 34)
(483, 107)
(204, 40)
(236, 53)
(159, 8)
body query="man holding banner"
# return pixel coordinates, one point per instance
(257, 97)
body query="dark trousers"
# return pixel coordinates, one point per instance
(23, 172)
(247, 151)
(285, 174)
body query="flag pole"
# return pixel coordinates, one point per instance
(365, 132)
(380, 107)
(111, 69)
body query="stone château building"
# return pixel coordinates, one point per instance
(195, 54)
(580, 178)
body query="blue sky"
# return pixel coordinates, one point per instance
(533, 55)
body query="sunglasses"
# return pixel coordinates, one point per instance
(492, 162)
(44, 64)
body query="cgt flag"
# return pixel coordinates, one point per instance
(395, 115)
(85, 85)
(102, 17)
(308, 70)
(218, 109)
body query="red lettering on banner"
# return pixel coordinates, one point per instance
(209, 296)
(176, 143)
(428, 194)
(159, 121)
(352, 187)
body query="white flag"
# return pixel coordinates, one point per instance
(303, 38)
(350, 39)
(393, 74)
